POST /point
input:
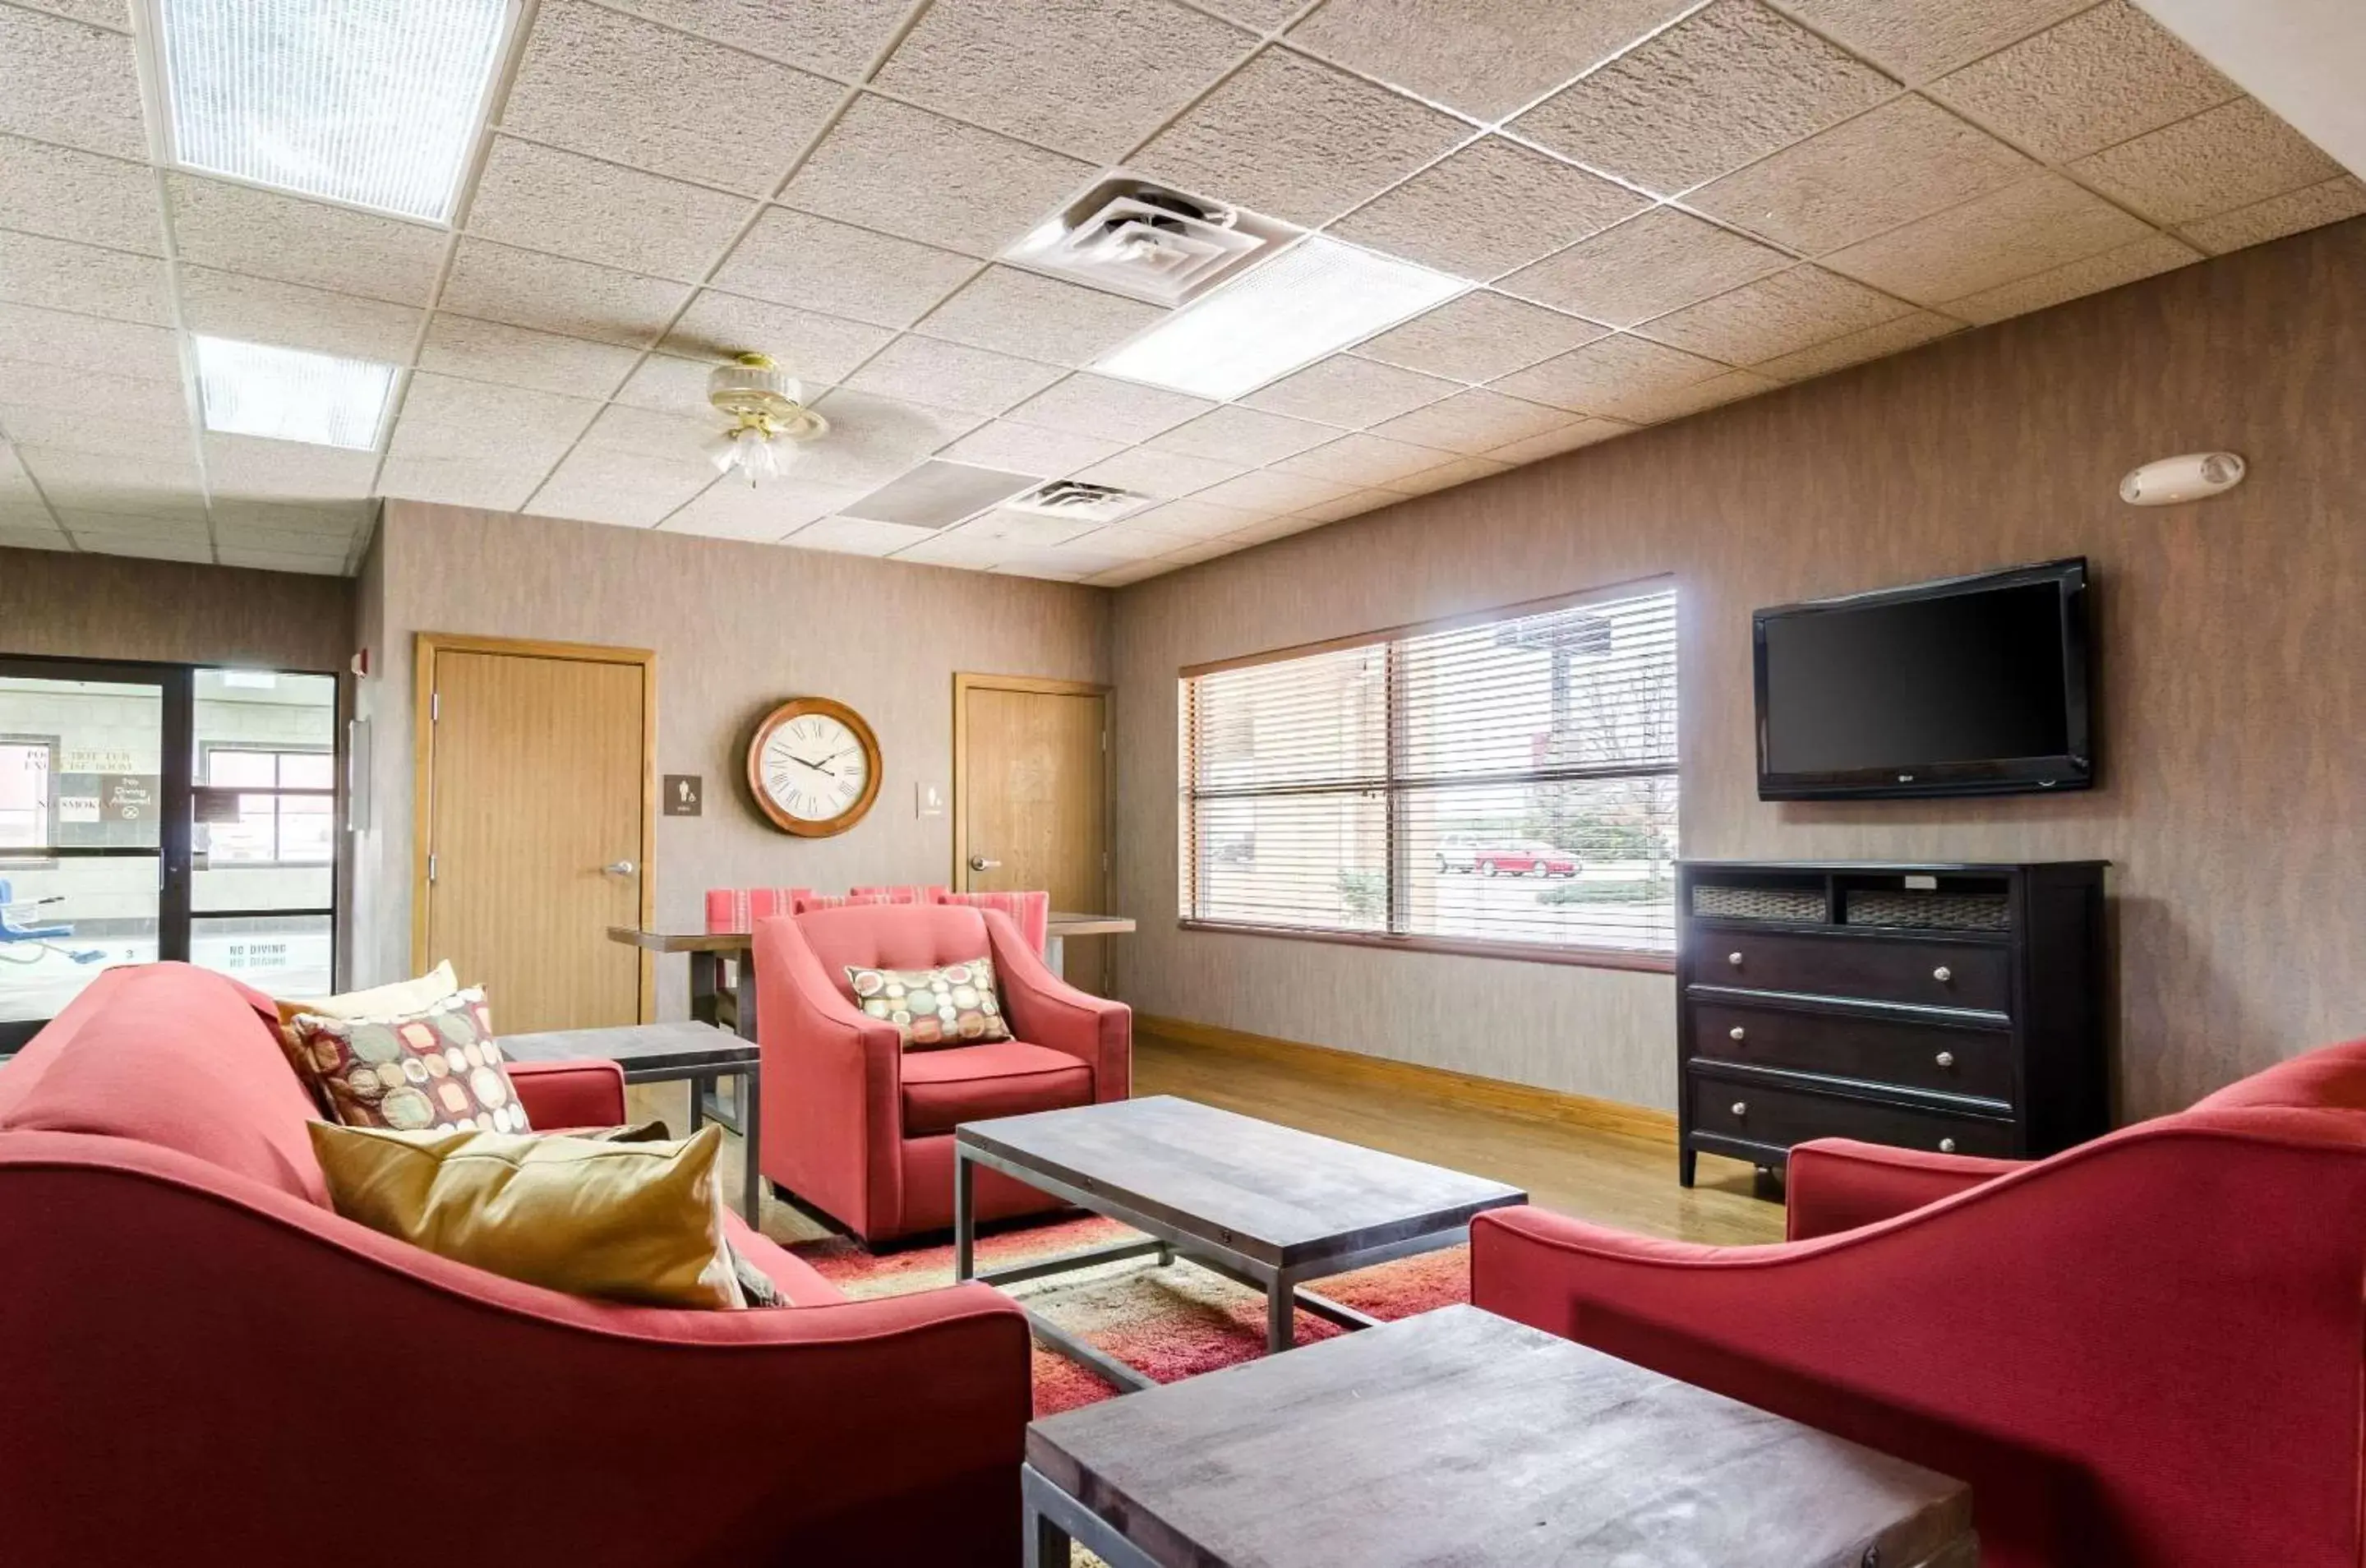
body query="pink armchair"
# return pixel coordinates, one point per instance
(862, 1128)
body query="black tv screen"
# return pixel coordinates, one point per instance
(1976, 685)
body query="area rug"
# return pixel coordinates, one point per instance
(1170, 1322)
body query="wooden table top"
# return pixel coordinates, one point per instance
(1464, 1438)
(1064, 923)
(1275, 1194)
(636, 1047)
(681, 941)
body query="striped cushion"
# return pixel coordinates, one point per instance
(907, 893)
(804, 903)
(739, 909)
(1030, 912)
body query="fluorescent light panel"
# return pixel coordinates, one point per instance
(371, 101)
(1313, 299)
(290, 394)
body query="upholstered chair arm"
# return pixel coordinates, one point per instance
(1044, 1009)
(554, 1095)
(1838, 1184)
(830, 1073)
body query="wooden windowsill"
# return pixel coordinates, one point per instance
(1515, 952)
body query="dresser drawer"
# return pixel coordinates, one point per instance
(1777, 1118)
(1884, 969)
(1974, 1062)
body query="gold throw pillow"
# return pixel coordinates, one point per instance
(624, 1221)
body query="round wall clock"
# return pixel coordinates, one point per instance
(813, 767)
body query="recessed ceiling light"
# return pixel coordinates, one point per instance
(374, 105)
(290, 394)
(1313, 299)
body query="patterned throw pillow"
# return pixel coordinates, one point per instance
(951, 1006)
(438, 1069)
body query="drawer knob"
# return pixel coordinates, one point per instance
(1946, 1058)
(1734, 959)
(1741, 1108)
(1737, 1031)
(1943, 973)
(1946, 1146)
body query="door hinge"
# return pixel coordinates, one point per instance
(1104, 742)
(435, 707)
(431, 867)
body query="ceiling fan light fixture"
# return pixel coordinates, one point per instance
(766, 407)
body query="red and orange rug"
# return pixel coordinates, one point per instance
(1171, 1322)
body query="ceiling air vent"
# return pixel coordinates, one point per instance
(1080, 501)
(1132, 237)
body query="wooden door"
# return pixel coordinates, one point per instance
(1033, 795)
(535, 811)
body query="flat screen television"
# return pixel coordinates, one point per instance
(1976, 685)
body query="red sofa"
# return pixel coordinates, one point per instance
(861, 1128)
(2146, 1350)
(201, 1363)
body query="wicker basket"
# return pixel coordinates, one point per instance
(1790, 903)
(1930, 911)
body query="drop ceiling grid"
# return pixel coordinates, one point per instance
(1913, 320)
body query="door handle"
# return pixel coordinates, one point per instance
(979, 862)
(619, 868)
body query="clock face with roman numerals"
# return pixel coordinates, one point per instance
(813, 767)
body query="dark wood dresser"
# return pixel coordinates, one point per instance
(1955, 1008)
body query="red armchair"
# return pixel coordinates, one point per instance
(862, 1128)
(204, 1364)
(2146, 1350)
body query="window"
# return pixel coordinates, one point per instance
(1505, 783)
(24, 794)
(269, 808)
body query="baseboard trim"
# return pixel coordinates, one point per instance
(1444, 1083)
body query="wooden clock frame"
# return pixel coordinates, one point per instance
(799, 707)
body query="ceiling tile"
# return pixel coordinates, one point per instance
(1674, 402)
(1919, 38)
(1890, 337)
(813, 346)
(64, 275)
(74, 389)
(1030, 448)
(1447, 475)
(796, 258)
(1479, 336)
(1552, 444)
(983, 62)
(1901, 162)
(836, 37)
(1488, 209)
(257, 309)
(54, 337)
(1475, 420)
(2024, 228)
(1131, 544)
(264, 235)
(1069, 563)
(2280, 215)
(651, 433)
(1193, 518)
(948, 375)
(1037, 318)
(446, 417)
(872, 439)
(84, 431)
(1149, 471)
(903, 171)
(317, 566)
(151, 484)
(1244, 435)
(155, 512)
(1362, 459)
(340, 519)
(620, 88)
(1594, 379)
(1660, 262)
(857, 537)
(545, 200)
(516, 357)
(78, 196)
(1294, 140)
(1021, 530)
(2153, 254)
(2101, 77)
(32, 536)
(1716, 91)
(761, 515)
(1129, 573)
(1483, 57)
(955, 548)
(674, 385)
(1775, 316)
(1282, 526)
(1111, 409)
(192, 551)
(1355, 503)
(2234, 155)
(526, 288)
(250, 465)
(1350, 392)
(65, 81)
(1266, 492)
(604, 485)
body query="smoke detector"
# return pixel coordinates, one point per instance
(1131, 237)
(765, 404)
(1082, 502)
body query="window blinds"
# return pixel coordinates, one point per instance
(1508, 782)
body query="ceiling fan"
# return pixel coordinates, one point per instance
(765, 405)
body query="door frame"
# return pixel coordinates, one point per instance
(422, 770)
(964, 683)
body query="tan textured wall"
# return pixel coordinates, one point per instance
(93, 607)
(736, 628)
(2232, 686)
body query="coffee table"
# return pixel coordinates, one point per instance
(1464, 1438)
(698, 1053)
(1271, 1207)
